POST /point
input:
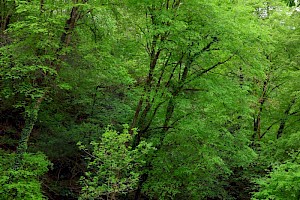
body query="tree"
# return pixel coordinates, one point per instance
(114, 167)
(184, 47)
(29, 75)
(212, 85)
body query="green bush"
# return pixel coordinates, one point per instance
(114, 167)
(281, 184)
(23, 183)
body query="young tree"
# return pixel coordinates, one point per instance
(114, 168)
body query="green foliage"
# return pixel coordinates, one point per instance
(199, 156)
(196, 162)
(283, 183)
(28, 62)
(191, 75)
(23, 183)
(114, 167)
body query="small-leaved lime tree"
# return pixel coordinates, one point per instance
(114, 166)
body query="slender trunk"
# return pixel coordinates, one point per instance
(136, 114)
(284, 119)
(177, 90)
(31, 115)
(7, 10)
(262, 100)
(154, 56)
(6, 21)
(25, 134)
(281, 128)
(169, 114)
(138, 192)
(70, 25)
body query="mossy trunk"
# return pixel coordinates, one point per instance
(31, 114)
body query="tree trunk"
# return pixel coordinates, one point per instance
(284, 119)
(6, 14)
(70, 25)
(31, 114)
(257, 119)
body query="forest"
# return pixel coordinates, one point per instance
(149, 99)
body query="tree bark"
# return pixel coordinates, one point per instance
(284, 119)
(6, 14)
(31, 114)
(257, 119)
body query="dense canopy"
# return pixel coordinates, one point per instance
(149, 99)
